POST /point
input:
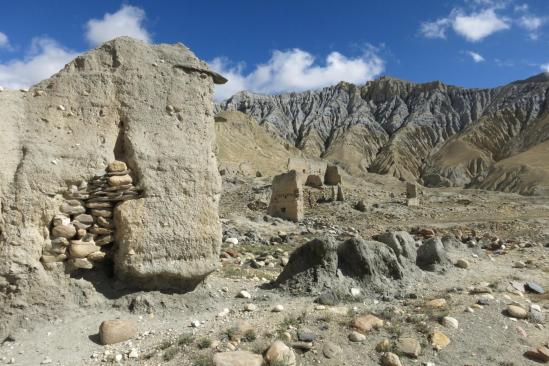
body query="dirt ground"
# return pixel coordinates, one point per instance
(186, 329)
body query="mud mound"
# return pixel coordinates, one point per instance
(388, 266)
(325, 264)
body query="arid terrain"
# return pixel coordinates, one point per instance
(186, 329)
(140, 224)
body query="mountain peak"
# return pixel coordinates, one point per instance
(539, 78)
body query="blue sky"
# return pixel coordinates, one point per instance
(278, 46)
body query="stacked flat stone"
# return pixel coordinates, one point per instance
(85, 224)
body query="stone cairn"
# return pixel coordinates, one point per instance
(83, 230)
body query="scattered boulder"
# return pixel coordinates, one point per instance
(439, 340)
(331, 350)
(356, 337)
(116, 331)
(366, 323)
(431, 254)
(539, 354)
(450, 322)
(516, 311)
(436, 303)
(239, 329)
(279, 353)
(384, 345)
(462, 263)
(390, 359)
(409, 347)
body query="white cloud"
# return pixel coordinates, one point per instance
(128, 21)
(477, 57)
(545, 67)
(530, 22)
(4, 41)
(522, 8)
(478, 26)
(296, 70)
(44, 58)
(436, 29)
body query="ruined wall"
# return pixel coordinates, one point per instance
(307, 166)
(149, 106)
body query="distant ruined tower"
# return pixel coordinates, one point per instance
(287, 197)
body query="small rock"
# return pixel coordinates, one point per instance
(384, 345)
(239, 330)
(481, 290)
(540, 354)
(117, 166)
(61, 220)
(286, 336)
(534, 287)
(390, 359)
(304, 346)
(462, 263)
(409, 347)
(367, 322)
(357, 337)
(516, 311)
(244, 295)
(328, 298)
(278, 308)
(63, 231)
(250, 307)
(439, 340)
(119, 180)
(436, 303)
(305, 335)
(82, 263)
(450, 322)
(133, 353)
(233, 241)
(278, 352)
(331, 350)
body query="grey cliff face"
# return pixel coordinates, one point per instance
(393, 126)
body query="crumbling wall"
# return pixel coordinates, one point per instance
(332, 176)
(147, 105)
(306, 166)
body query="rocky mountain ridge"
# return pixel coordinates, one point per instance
(432, 132)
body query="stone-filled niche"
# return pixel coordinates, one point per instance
(83, 232)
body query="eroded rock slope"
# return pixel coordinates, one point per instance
(440, 134)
